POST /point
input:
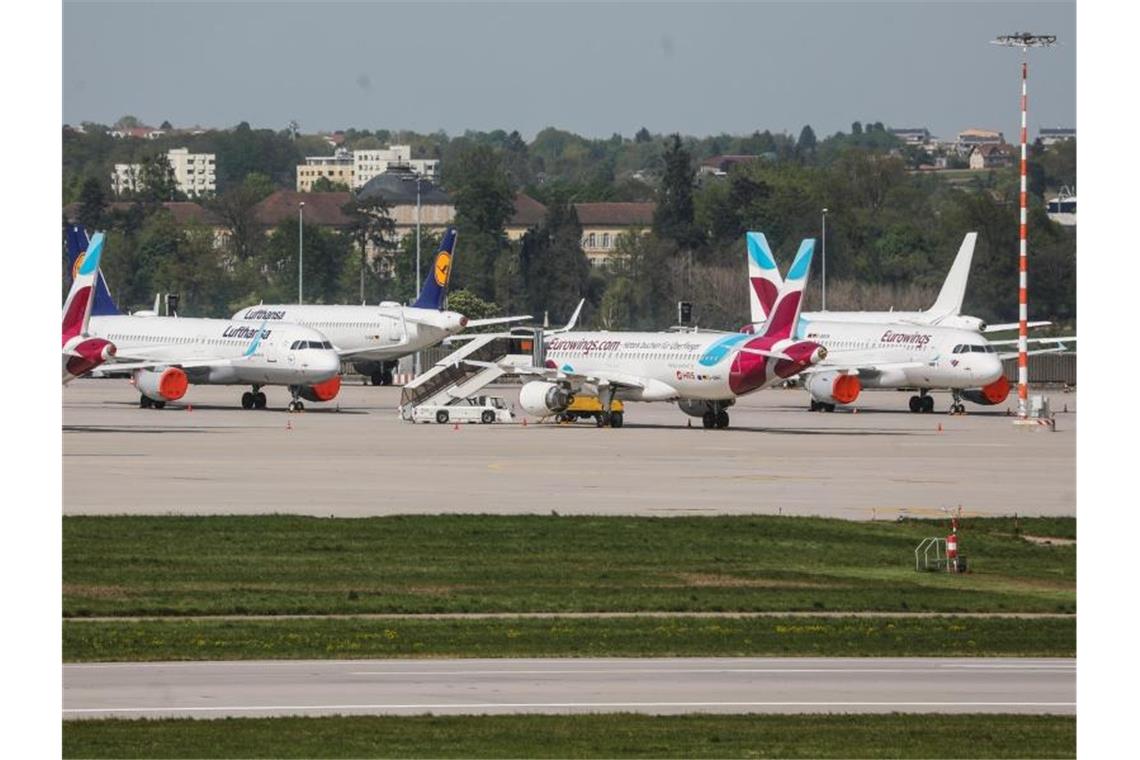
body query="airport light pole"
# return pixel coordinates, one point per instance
(823, 257)
(301, 253)
(416, 357)
(1023, 40)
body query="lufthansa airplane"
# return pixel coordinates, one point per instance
(373, 338)
(703, 373)
(167, 354)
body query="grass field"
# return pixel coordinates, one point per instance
(572, 736)
(273, 565)
(566, 637)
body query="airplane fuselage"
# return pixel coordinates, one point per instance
(676, 366)
(950, 358)
(280, 358)
(378, 333)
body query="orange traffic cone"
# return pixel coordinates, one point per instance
(939, 427)
(456, 426)
(524, 421)
(189, 407)
(288, 424)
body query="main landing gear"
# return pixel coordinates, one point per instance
(146, 402)
(823, 406)
(607, 417)
(922, 403)
(384, 377)
(715, 419)
(254, 399)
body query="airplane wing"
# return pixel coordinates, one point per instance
(1013, 326)
(1013, 341)
(865, 363)
(603, 378)
(496, 321)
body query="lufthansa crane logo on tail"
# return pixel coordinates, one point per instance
(78, 263)
(442, 268)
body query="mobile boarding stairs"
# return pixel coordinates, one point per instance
(456, 376)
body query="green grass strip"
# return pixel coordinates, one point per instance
(280, 564)
(600, 735)
(566, 637)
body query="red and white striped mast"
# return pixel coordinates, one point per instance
(1024, 40)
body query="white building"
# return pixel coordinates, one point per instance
(194, 173)
(337, 168)
(366, 164)
(1053, 135)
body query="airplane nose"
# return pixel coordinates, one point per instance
(989, 370)
(328, 363)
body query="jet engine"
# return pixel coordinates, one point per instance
(541, 399)
(161, 385)
(325, 391)
(994, 393)
(833, 387)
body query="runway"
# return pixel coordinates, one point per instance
(354, 457)
(484, 686)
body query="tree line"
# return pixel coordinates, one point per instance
(891, 231)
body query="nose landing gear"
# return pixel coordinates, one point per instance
(296, 405)
(957, 407)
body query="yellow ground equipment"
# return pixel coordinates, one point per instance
(586, 407)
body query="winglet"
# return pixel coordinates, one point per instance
(574, 317)
(949, 302)
(786, 310)
(763, 276)
(433, 292)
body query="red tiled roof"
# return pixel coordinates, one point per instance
(615, 214)
(528, 212)
(182, 211)
(321, 209)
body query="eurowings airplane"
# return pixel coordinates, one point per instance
(82, 352)
(946, 311)
(373, 338)
(703, 372)
(879, 353)
(166, 354)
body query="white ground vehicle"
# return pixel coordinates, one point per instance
(483, 409)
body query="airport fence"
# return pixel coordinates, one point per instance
(1046, 369)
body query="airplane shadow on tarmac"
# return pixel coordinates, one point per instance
(191, 408)
(775, 430)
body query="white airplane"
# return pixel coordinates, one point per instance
(81, 352)
(373, 338)
(878, 353)
(946, 311)
(166, 354)
(703, 372)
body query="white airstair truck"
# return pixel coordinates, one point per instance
(449, 390)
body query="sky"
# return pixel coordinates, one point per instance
(591, 68)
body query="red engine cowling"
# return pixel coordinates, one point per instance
(833, 387)
(161, 385)
(994, 393)
(325, 391)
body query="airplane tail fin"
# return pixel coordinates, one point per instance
(764, 280)
(433, 293)
(77, 244)
(80, 299)
(785, 311)
(949, 301)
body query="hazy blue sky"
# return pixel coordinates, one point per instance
(593, 68)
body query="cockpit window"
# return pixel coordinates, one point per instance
(303, 344)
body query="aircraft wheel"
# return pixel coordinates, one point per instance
(487, 417)
(617, 419)
(377, 378)
(300, 406)
(259, 400)
(722, 420)
(247, 401)
(292, 407)
(915, 404)
(386, 376)
(441, 417)
(927, 404)
(708, 419)
(159, 404)
(829, 407)
(814, 405)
